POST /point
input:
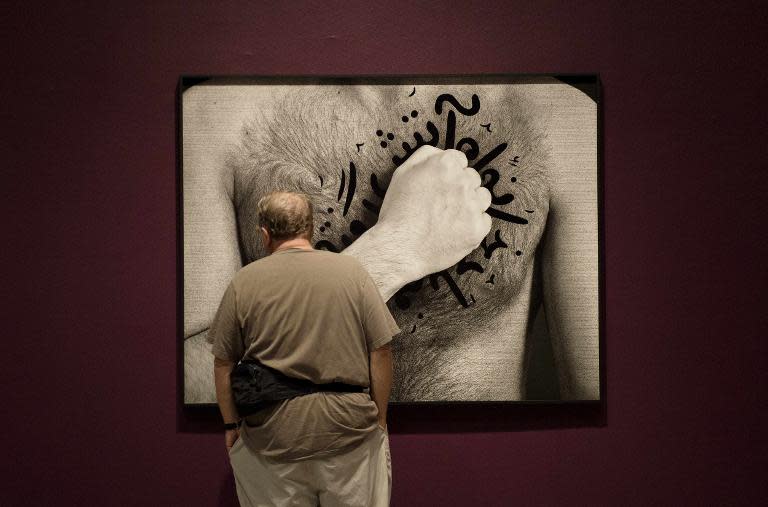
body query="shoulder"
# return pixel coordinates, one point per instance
(251, 270)
(568, 117)
(346, 270)
(346, 266)
(324, 258)
(341, 259)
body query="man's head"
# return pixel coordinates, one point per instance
(284, 216)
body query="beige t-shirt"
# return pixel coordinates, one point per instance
(314, 315)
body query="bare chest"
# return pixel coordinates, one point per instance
(343, 148)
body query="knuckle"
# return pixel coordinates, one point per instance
(479, 234)
(457, 157)
(484, 197)
(426, 148)
(446, 157)
(488, 222)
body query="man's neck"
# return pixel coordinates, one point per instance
(300, 243)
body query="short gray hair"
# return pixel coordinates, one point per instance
(285, 215)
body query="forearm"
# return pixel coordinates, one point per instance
(384, 261)
(224, 398)
(381, 380)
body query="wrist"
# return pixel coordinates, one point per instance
(399, 252)
(381, 253)
(231, 426)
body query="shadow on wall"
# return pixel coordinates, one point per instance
(451, 418)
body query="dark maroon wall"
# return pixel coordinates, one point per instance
(89, 214)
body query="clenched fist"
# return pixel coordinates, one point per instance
(434, 210)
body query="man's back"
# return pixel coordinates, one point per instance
(314, 315)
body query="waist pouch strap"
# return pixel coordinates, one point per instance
(254, 386)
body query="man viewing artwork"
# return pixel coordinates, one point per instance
(317, 316)
(469, 312)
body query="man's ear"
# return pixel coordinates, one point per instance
(265, 237)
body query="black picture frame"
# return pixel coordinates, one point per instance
(588, 83)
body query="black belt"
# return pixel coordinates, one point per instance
(256, 386)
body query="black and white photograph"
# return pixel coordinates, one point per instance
(515, 319)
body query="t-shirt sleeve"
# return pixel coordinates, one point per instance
(378, 323)
(225, 333)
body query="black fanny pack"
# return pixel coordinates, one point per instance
(255, 386)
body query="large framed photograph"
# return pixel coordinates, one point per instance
(516, 320)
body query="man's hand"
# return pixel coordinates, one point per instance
(230, 437)
(435, 209)
(432, 216)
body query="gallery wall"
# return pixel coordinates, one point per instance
(91, 379)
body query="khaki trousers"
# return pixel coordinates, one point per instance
(359, 477)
